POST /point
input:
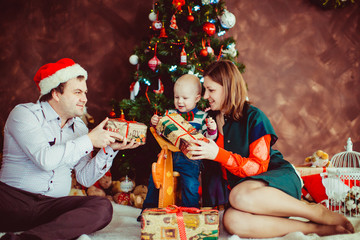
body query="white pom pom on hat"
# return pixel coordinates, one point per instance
(51, 75)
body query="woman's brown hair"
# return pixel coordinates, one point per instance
(226, 74)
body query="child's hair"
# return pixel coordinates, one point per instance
(190, 79)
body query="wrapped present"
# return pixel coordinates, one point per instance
(180, 223)
(178, 131)
(128, 129)
(305, 171)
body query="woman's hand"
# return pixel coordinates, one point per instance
(124, 145)
(203, 150)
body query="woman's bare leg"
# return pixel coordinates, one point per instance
(257, 198)
(249, 225)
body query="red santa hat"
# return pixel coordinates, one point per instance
(51, 75)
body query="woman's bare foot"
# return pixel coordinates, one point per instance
(326, 230)
(328, 217)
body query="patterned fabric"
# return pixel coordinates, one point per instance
(256, 163)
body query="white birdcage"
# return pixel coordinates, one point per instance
(349, 158)
(342, 182)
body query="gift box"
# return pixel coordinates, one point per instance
(129, 129)
(305, 171)
(180, 223)
(178, 131)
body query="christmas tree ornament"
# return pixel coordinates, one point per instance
(134, 59)
(227, 19)
(178, 4)
(157, 25)
(127, 185)
(112, 114)
(183, 60)
(209, 28)
(160, 89)
(203, 52)
(173, 23)
(230, 50)
(163, 32)
(134, 90)
(154, 62)
(209, 48)
(152, 16)
(205, 2)
(190, 18)
(122, 115)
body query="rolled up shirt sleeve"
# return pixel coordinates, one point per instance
(89, 169)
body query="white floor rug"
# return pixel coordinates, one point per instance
(125, 227)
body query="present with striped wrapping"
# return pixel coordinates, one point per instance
(178, 131)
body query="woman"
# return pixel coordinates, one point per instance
(265, 189)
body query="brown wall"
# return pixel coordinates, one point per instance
(302, 63)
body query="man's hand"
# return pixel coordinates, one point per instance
(101, 138)
(124, 145)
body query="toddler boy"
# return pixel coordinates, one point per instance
(187, 93)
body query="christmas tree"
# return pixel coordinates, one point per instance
(185, 36)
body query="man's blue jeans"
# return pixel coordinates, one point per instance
(189, 179)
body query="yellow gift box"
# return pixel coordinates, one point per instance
(129, 129)
(182, 223)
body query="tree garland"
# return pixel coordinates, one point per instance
(333, 4)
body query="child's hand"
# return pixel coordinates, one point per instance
(210, 123)
(155, 119)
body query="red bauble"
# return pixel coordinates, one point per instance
(190, 18)
(112, 114)
(203, 52)
(209, 28)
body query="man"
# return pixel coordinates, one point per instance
(43, 143)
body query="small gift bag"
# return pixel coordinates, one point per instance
(181, 223)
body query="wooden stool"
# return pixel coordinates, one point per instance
(162, 172)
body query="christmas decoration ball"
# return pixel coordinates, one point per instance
(210, 50)
(190, 18)
(227, 20)
(157, 25)
(154, 63)
(134, 59)
(152, 16)
(205, 2)
(204, 52)
(209, 28)
(112, 114)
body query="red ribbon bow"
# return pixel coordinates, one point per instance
(179, 215)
